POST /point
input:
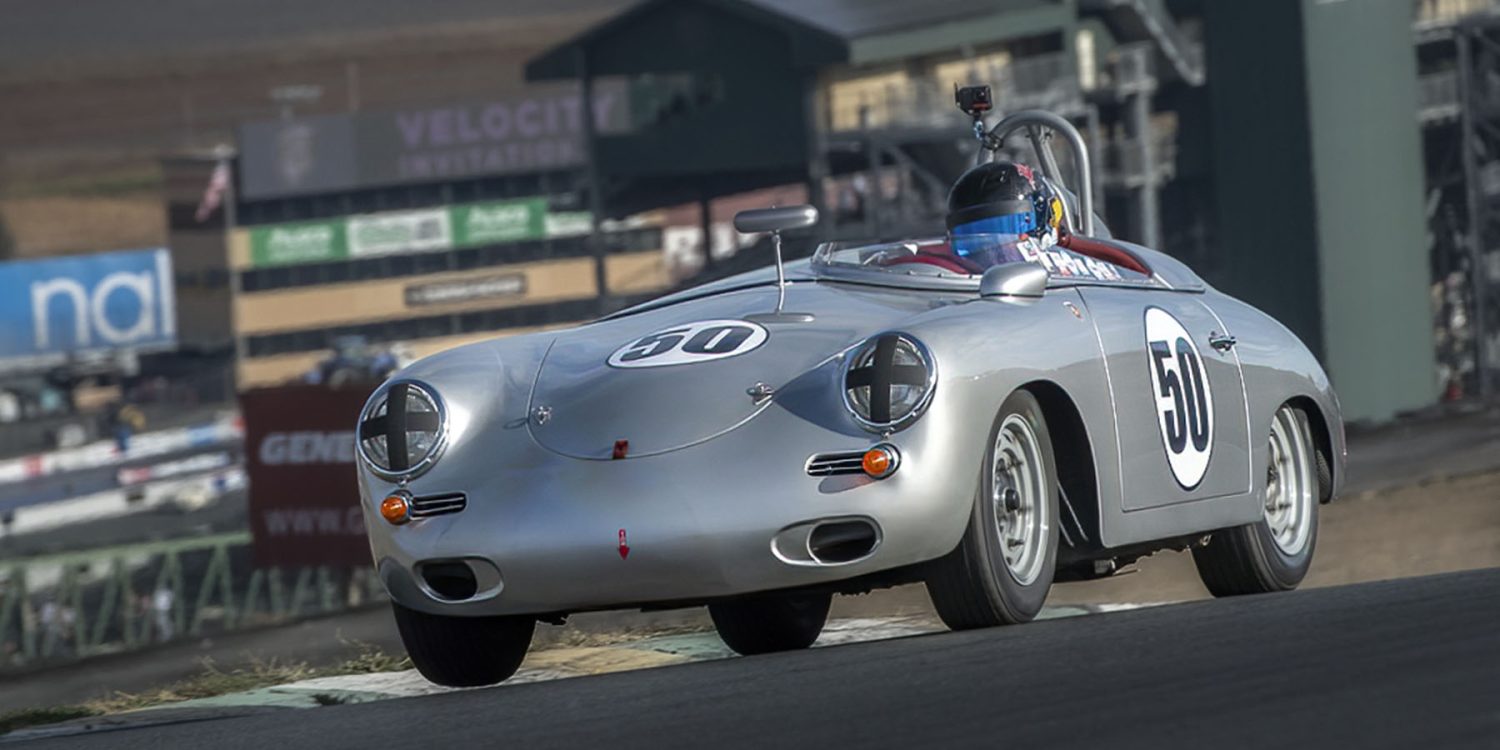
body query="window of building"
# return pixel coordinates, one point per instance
(395, 266)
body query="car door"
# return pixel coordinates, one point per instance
(1179, 399)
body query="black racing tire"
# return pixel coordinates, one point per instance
(973, 586)
(1247, 559)
(464, 651)
(1325, 478)
(766, 624)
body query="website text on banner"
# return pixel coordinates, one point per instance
(299, 453)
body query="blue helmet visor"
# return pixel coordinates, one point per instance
(1017, 224)
(994, 240)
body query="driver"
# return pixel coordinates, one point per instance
(1000, 212)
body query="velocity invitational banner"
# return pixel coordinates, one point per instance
(537, 129)
(419, 231)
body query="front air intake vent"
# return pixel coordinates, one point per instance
(841, 542)
(453, 581)
(438, 505)
(833, 464)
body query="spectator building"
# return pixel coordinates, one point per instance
(428, 228)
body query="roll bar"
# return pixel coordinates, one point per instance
(976, 101)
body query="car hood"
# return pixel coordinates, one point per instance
(591, 393)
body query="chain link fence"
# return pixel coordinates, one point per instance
(81, 604)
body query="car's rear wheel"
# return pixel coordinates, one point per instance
(1274, 553)
(464, 651)
(1002, 569)
(764, 624)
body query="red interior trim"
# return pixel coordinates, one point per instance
(946, 262)
(1103, 251)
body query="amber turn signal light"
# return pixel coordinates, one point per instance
(396, 509)
(881, 461)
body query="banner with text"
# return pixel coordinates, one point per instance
(303, 242)
(405, 232)
(420, 231)
(299, 455)
(539, 129)
(58, 307)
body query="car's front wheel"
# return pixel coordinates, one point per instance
(764, 624)
(1274, 553)
(464, 651)
(1002, 569)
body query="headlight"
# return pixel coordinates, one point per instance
(402, 430)
(888, 381)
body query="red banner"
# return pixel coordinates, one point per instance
(299, 455)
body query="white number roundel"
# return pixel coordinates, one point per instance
(1184, 399)
(691, 342)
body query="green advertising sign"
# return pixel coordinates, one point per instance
(501, 221)
(303, 242)
(424, 230)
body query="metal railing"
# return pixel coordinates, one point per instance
(1124, 164)
(1435, 13)
(1437, 95)
(82, 604)
(1134, 69)
(1038, 82)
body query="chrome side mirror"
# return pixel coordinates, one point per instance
(1014, 280)
(775, 219)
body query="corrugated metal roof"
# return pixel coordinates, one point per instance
(828, 28)
(852, 19)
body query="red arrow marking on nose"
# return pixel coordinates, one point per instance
(624, 548)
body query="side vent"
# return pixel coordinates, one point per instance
(833, 464)
(428, 506)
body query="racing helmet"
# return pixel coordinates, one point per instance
(1001, 212)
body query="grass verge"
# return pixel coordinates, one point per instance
(30, 717)
(212, 681)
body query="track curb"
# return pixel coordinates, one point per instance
(540, 666)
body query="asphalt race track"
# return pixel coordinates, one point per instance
(1411, 663)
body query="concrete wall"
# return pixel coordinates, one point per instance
(1317, 179)
(1265, 218)
(1368, 177)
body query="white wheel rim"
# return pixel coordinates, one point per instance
(1291, 483)
(1019, 493)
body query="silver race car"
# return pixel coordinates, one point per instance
(985, 412)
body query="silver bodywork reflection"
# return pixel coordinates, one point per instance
(1014, 280)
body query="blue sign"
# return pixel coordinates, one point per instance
(87, 303)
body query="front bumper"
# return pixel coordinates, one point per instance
(699, 522)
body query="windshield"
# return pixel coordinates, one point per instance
(966, 256)
(933, 256)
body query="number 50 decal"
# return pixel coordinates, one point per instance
(691, 342)
(1184, 398)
